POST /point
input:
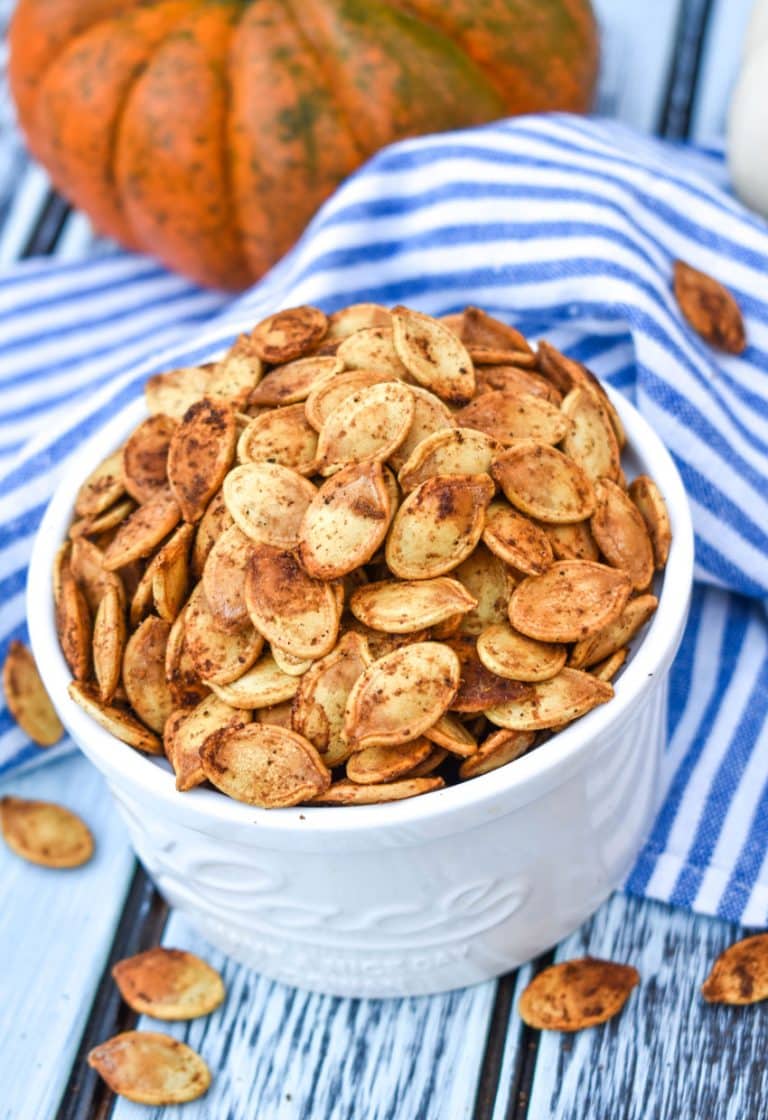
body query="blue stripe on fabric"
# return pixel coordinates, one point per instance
(747, 867)
(722, 790)
(24, 524)
(736, 626)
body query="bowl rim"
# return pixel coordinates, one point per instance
(493, 792)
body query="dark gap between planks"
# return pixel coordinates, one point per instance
(685, 67)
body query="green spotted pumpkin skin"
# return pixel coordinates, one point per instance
(208, 132)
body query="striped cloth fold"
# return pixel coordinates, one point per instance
(566, 228)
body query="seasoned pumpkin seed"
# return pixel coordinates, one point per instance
(576, 994)
(740, 973)
(616, 634)
(201, 451)
(507, 417)
(186, 731)
(321, 698)
(288, 607)
(571, 601)
(145, 457)
(386, 764)
(350, 793)
(346, 521)
(268, 501)
(144, 673)
(448, 451)
(216, 655)
(264, 765)
(401, 695)
(288, 334)
(281, 435)
(591, 441)
(144, 530)
(516, 539)
(44, 833)
(647, 497)
(168, 984)
(28, 702)
(400, 607)
(117, 721)
(433, 355)
(262, 686)
(293, 382)
(109, 637)
(498, 749)
(542, 482)
(367, 426)
(224, 579)
(619, 529)
(510, 654)
(438, 525)
(150, 1068)
(102, 488)
(550, 703)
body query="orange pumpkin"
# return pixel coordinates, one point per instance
(208, 132)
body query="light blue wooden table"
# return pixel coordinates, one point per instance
(280, 1054)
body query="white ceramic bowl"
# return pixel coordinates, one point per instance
(416, 896)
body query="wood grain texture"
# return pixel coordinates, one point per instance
(280, 1054)
(56, 928)
(668, 1055)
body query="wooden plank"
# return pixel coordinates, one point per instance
(721, 58)
(668, 1054)
(280, 1054)
(638, 48)
(56, 928)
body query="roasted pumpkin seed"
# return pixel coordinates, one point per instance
(117, 721)
(510, 654)
(647, 497)
(740, 973)
(350, 793)
(576, 994)
(288, 334)
(44, 833)
(264, 765)
(367, 426)
(572, 600)
(282, 436)
(201, 451)
(386, 764)
(550, 703)
(438, 525)
(109, 637)
(150, 1068)
(262, 686)
(448, 451)
(268, 501)
(346, 521)
(28, 702)
(169, 984)
(508, 417)
(619, 529)
(498, 749)
(433, 355)
(289, 608)
(145, 457)
(401, 607)
(516, 539)
(616, 634)
(542, 482)
(401, 695)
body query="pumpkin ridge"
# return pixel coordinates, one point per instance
(228, 170)
(115, 133)
(359, 144)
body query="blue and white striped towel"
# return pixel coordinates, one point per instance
(567, 228)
